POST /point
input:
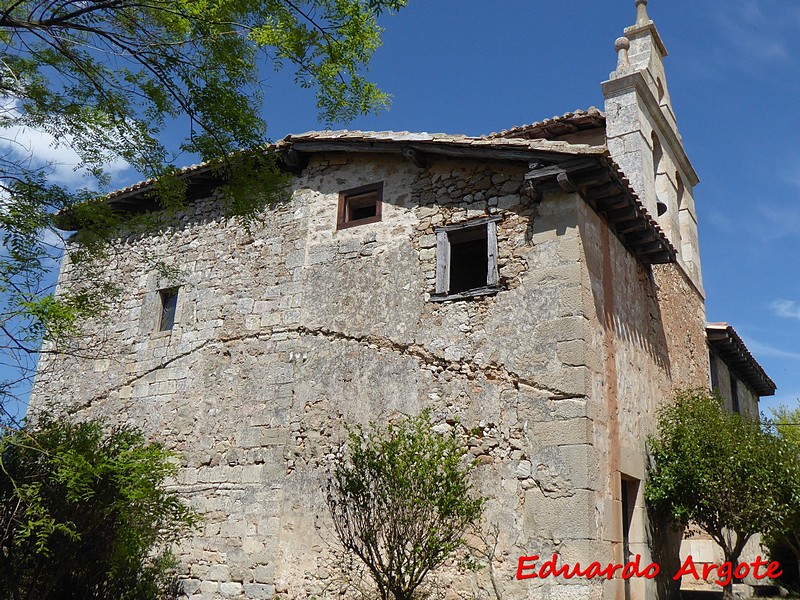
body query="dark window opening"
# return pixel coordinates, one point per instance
(712, 361)
(735, 394)
(360, 206)
(169, 302)
(469, 261)
(466, 260)
(629, 489)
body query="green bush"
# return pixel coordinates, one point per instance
(85, 514)
(401, 501)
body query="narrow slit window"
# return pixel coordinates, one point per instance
(630, 490)
(466, 259)
(169, 302)
(735, 395)
(360, 206)
(714, 375)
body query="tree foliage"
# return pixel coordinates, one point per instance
(401, 501)
(786, 533)
(716, 469)
(84, 513)
(106, 77)
(110, 73)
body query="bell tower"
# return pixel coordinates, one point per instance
(642, 137)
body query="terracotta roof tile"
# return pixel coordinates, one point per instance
(439, 138)
(556, 126)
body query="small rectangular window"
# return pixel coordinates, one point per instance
(466, 259)
(360, 206)
(169, 302)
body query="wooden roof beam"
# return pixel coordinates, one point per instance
(581, 181)
(607, 190)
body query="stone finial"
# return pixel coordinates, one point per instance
(641, 12)
(622, 45)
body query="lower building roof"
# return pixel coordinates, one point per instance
(727, 344)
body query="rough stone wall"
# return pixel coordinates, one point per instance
(285, 334)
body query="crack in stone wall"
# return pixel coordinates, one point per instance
(468, 368)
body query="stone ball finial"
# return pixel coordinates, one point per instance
(641, 12)
(622, 45)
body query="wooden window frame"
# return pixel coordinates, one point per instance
(443, 260)
(164, 296)
(342, 219)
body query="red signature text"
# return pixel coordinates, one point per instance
(726, 573)
(527, 568)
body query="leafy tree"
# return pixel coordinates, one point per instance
(787, 423)
(786, 533)
(105, 77)
(714, 468)
(84, 513)
(401, 501)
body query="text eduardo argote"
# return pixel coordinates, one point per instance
(529, 567)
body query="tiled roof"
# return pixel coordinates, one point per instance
(609, 193)
(731, 349)
(374, 137)
(570, 122)
(191, 170)
(385, 136)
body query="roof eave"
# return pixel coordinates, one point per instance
(732, 349)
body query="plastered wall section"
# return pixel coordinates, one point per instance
(287, 333)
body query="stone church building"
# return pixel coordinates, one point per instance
(540, 289)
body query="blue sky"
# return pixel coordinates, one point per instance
(471, 66)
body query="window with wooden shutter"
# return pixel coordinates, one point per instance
(466, 259)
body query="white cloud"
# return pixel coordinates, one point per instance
(758, 349)
(46, 151)
(782, 220)
(42, 149)
(786, 308)
(722, 221)
(792, 174)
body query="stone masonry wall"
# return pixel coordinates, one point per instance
(286, 333)
(645, 342)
